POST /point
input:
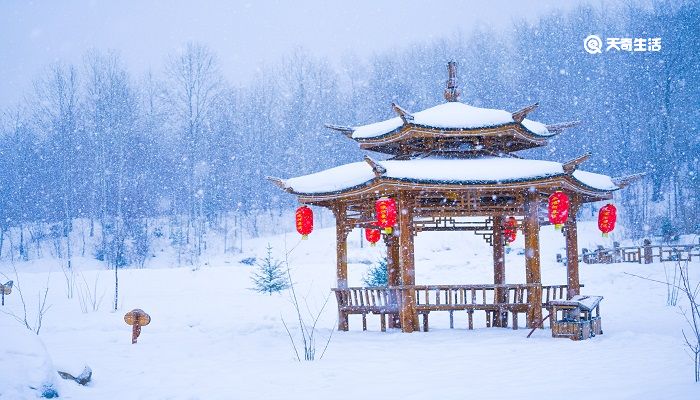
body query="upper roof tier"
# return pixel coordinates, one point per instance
(451, 116)
(453, 128)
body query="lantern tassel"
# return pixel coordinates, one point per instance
(372, 244)
(388, 230)
(605, 234)
(557, 227)
(304, 237)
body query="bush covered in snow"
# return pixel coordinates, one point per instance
(378, 274)
(27, 369)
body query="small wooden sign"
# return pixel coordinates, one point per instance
(136, 318)
(5, 289)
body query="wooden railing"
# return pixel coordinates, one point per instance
(358, 300)
(555, 292)
(438, 297)
(475, 297)
(493, 299)
(644, 254)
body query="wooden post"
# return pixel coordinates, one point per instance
(531, 228)
(648, 255)
(341, 269)
(394, 278)
(499, 268)
(407, 313)
(572, 276)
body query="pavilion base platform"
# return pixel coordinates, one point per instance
(502, 304)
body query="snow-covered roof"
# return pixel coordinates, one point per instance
(453, 116)
(486, 170)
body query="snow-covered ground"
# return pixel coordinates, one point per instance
(213, 338)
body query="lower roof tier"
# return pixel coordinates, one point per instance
(492, 172)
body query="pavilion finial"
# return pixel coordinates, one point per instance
(452, 92)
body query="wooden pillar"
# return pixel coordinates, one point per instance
(394, 278)
(648, 255)
(407, 312)
(499, 267)
(531, 228)
(341, 268)
(572, 276)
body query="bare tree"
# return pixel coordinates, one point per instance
(692, 315)
(691, 291)
(307, 320)
(32, 323)
(112, 108)
(194, 85)
(57, 111)
(88, 297)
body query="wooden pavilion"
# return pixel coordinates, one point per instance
(449, 164)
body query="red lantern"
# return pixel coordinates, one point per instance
(373, 235)
(386, 213)
(607, 216)
(510, 231)
(558, 209)
(305, 221)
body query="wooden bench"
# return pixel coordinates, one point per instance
(367, 300)
(497, 302)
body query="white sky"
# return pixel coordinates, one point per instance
(244, 34)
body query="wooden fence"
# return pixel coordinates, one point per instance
(644, 254)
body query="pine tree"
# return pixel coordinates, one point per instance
(270, 277)
(377, 275)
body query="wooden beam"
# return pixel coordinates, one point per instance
(520, 115)
(279, 183)
(407, 313)
(559, 128)
(624, 181)
(406, 116)
(571, 165)
(376, 167)
(572, 275)
(345, 130)
(531, 228)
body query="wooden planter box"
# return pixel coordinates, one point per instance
(574, 330)
(576, 319)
